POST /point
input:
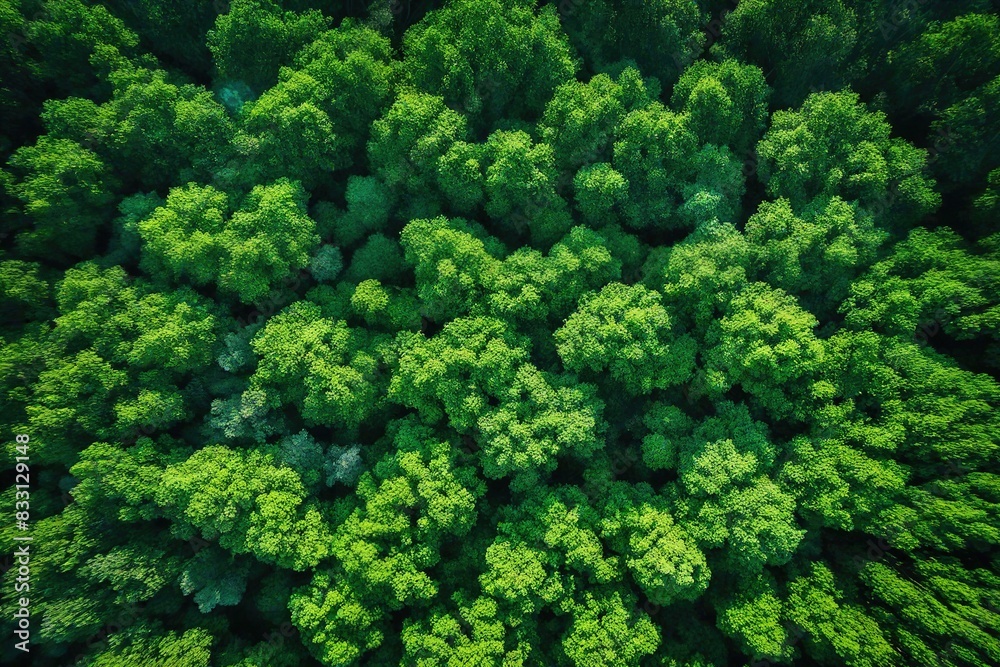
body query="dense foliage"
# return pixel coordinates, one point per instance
(502, 332)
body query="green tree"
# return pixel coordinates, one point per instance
(252, 40)
(248, 503)
(534, 287)
(727, 102)
(466, 632)
(931, 281)
(766, 343)
(268, 239)
(519, 184)
(24, 292)
(671, 183)
(935, 609)
(179, 238)
(837, 629)
(309, 123)
(161, 133)
(319, 365)
(661, 37)
(832, 145)
(215, 579)
(408, 142)
(580, 120)
(701, 274)
(627, 332)
(805, 46)
(67, 194)
(752, 616)
(607, 628)
(816, 256)
(452, 264)
(661, 557)
(176, 30)
(193, 237)
(157, 647)
(380, 258)
(492, 60)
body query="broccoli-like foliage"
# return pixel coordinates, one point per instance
(500, 333)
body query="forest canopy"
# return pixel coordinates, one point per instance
(501, 333)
